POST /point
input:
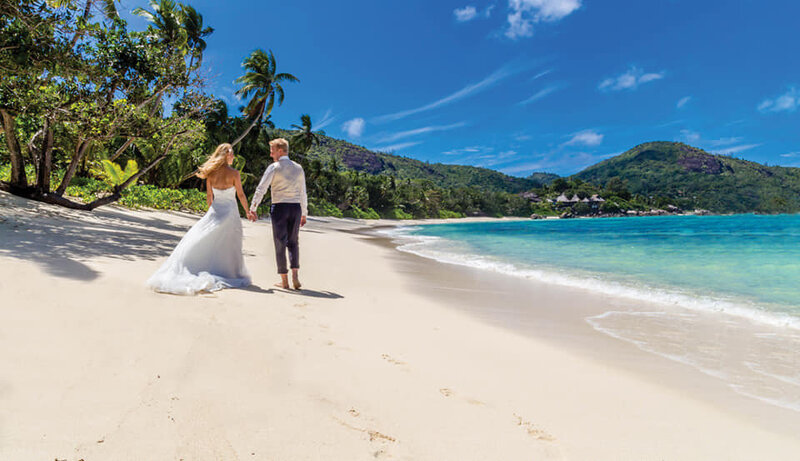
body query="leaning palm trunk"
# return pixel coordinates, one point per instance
(246, 132)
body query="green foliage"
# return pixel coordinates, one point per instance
(447, 214)
(321, 207)
(111, 173)
(356, 212)
(164, 199)
(661, 173)
(141, 196)
(397, 213)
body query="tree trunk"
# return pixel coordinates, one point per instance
(86, 12)
(121, 149)
(18, 178)
(45, 160)
(80, 150)
(239, 139)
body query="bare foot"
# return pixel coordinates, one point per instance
(284, 285)
(296, 283)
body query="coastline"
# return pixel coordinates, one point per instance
(367, 363)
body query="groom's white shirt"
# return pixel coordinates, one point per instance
(288, 182)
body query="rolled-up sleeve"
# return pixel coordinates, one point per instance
(303, 195)
(263, 185)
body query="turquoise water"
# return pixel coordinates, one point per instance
(717, 293)
(749, 261)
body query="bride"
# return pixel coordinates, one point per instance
(209, 257)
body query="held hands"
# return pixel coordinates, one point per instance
(252, 216)
(302, 221)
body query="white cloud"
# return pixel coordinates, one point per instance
(396, 147)
(539, 95)
(465, 14)
(525, 13)
(791, 154)
(588, 138)
(717, 146)
(725, 141)
(735, 149)
(468, 90)
(689, 136)
(787, 102)
(468, 150)
(541, 74)
(327, 119)
(630, 80)
(682, 102)
(354, 127)
(558, 162)
(423, 130)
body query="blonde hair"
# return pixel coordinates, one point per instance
(217, 160)
(280, 143)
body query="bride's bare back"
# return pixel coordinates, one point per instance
(225, 178)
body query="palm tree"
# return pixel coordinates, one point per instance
(305, 137)
(167, 23)
(195, 32)
(261, 85)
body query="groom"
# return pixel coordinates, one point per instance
(289, 208)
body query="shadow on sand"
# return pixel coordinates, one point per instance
(311, 293)
(59, 240)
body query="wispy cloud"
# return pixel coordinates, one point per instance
(791, 154)
(467, 13)
(541, 74)
(630, 80)
(689, 136)
(396, 147)
(682, 102)
(327, 119)
(588, 138)
(735, 149)
(523, 14)
(726, 146)
(563, 163)
(673, 122)
(725, 141)
(468, 150)
(540, 94)
(483, 156)
(468, 90)
(787, 102)
(423, 130)
(354, 127)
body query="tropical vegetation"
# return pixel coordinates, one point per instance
(93, 113)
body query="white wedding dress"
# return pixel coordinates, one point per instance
(209, 257)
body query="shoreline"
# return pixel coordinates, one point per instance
(367, 362)
(577, 328)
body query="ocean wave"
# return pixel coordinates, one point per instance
(452, 252)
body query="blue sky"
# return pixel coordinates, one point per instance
(524, 85)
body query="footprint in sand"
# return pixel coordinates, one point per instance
(533, 431)
(447, 392)
(391, 360)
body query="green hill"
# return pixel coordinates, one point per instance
(692, 178)
(358, 158)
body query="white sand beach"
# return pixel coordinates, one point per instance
(366, 362)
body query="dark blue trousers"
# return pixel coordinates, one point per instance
(285, 233)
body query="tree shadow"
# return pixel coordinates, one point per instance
(60, 240)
